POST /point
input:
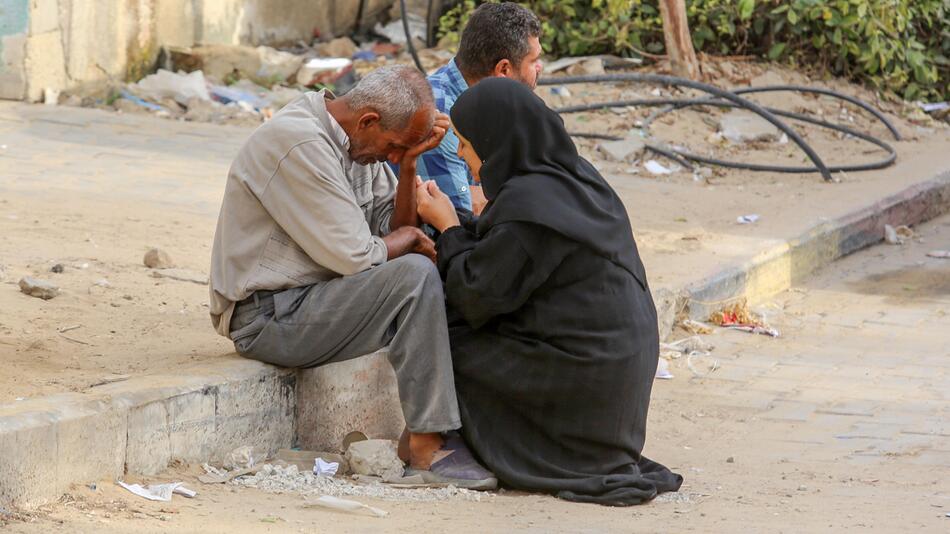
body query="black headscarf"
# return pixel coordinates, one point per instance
(531, 172)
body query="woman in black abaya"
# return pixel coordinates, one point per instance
(555, 358)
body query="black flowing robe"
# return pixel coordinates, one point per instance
(553, 330)
(554, 357)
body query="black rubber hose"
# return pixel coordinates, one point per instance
(405, 28)
(650, 146)
(828, 92)
(682, 82)
(359, 16)
(889, 160)
(431, 25)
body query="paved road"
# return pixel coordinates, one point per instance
(843, 423)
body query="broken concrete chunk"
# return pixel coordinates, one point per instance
(745, 126)
(158, 259)
(182, 275)
(375, 457)
(40, 289)
(628, 149)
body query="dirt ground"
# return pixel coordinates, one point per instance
(840, 424)
(92, 191)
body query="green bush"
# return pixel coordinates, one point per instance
(901, 46)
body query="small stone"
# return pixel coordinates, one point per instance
(730, 460)
(627, 149)
(803, 488)
(40, 289)
(744, 126)
(157, 258)
(375, 457)
(182, 275)
(58, 268)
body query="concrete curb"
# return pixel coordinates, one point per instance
(202, 413)
(141, 425)
(777, 269)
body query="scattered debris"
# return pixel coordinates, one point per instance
(65, 329)
(628, 149)
(278, 479)
(396, 34)
(216, 476)
(323, 468)
(655, 167)
(897, 236)
(244, 457)
(334, 503)
(663, 369)
(58, 268)
(327, 71)
(166, 84)
(593, 66)
(182, 275)
(157, 258)
(51, 96)
(687, 345)
(747, 219)
(305, 459)
(41, 289)
(942, 254)
(695, 327)
(605, 61)
(731, 460)
(375, 457)
(159, 492)
(561, 91)
(744, 127)
(339, 47)
(738, 317)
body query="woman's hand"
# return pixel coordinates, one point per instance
(434, 207)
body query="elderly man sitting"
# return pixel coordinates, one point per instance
(318, 257)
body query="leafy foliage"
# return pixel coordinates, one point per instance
(895, 45)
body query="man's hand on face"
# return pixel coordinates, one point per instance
(439, 127)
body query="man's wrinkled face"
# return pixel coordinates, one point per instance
(529, 69)
(373, 144)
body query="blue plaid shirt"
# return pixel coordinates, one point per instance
(442, 163)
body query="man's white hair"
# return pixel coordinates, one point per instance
(396, 92)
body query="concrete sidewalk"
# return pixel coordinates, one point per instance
(126, 172)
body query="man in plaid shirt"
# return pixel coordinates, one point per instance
(499, 40)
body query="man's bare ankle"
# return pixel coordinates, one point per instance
(422, 448)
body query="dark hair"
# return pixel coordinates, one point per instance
(495, 32)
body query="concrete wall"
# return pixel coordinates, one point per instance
(85, 44)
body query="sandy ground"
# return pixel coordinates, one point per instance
(838, 425)
(93, 190)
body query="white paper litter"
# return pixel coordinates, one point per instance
(663, 369)
(942, 254)
(747, 219)
(656, 167)
(159, 492)
(334, 503)
(167, 84)
(323, 468)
